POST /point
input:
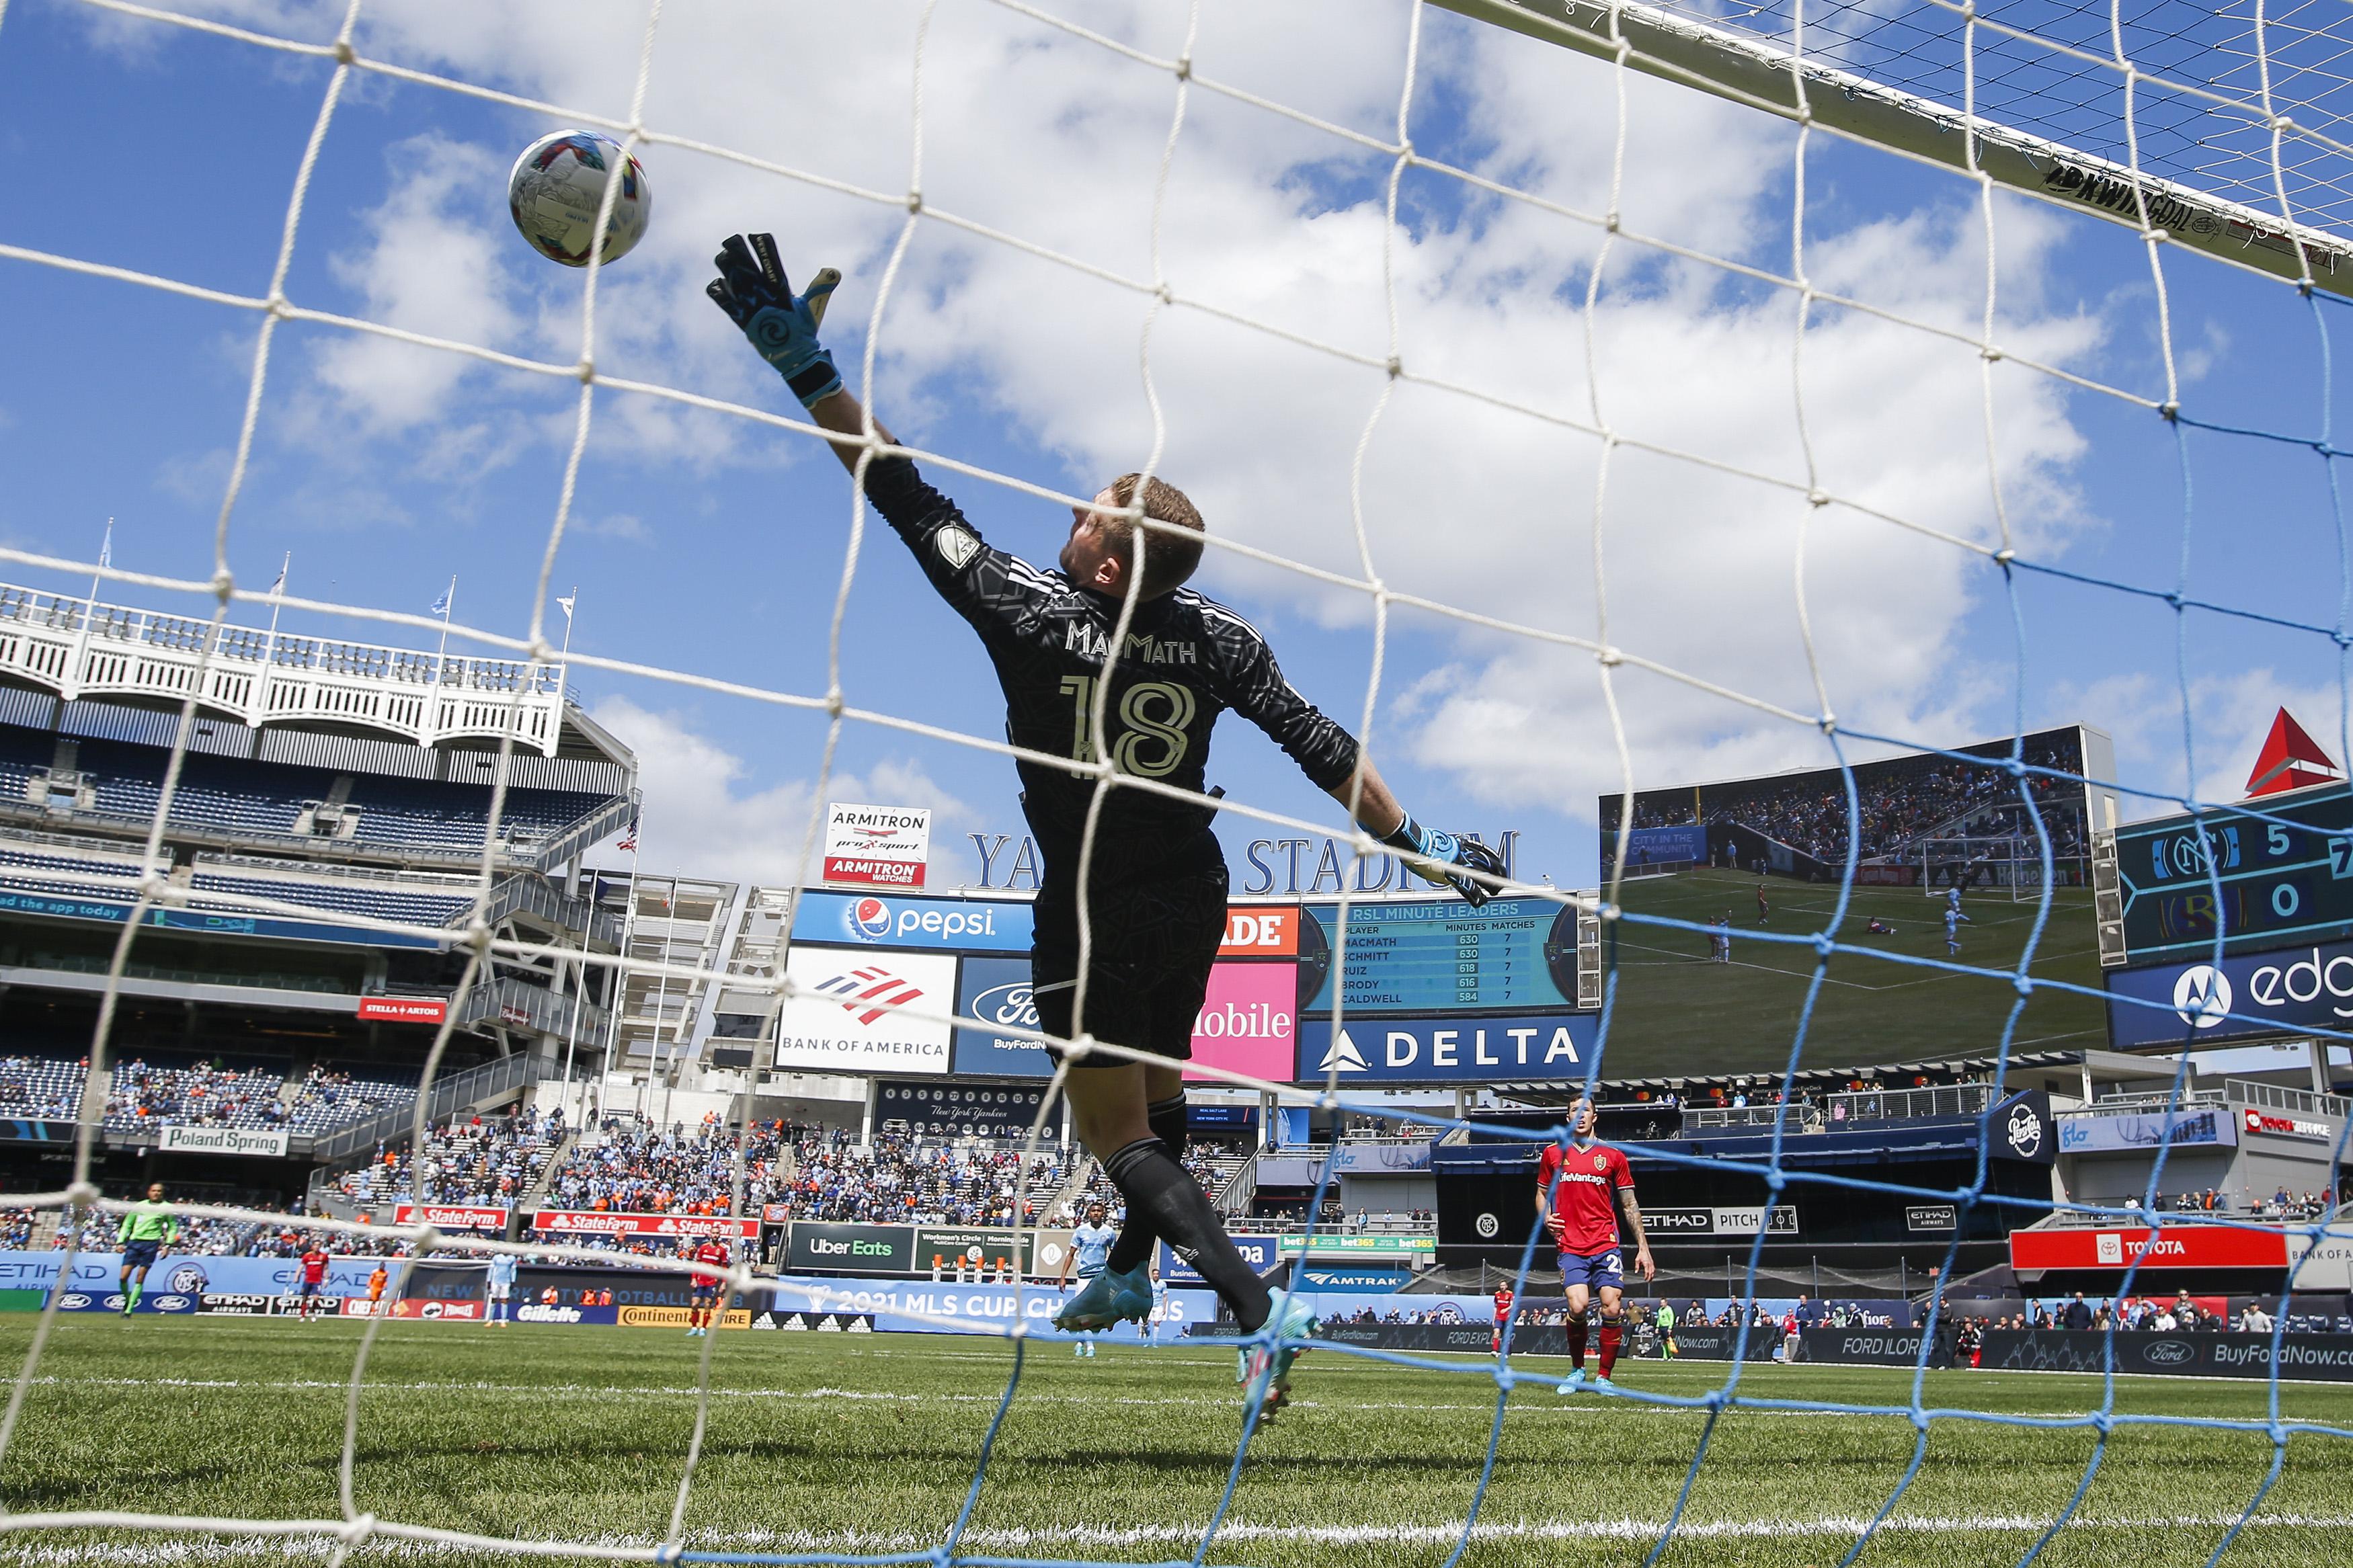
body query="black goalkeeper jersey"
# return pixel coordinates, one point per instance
(1186, 659)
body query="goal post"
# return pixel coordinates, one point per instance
(1990, 864)
(1757, 70)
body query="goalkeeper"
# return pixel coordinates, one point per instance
(1155, 892)
(144, 1230)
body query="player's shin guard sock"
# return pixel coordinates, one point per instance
(1166, 1120)
(1160, 1189)
(1576, 1343)
(1612, 1334)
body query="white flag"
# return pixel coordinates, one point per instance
(441, 604)
(106, 549)
(568, 608)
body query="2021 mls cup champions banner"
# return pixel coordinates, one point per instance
(877, 846)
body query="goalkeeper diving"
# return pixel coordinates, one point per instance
(1157, 883)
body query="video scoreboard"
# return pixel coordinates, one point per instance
(2264, 881)
(1443, 956)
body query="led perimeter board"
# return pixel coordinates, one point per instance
(1761, 858)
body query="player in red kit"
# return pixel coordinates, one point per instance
(1503, 1316)
(1575, 1188)
(314, 1277)
(707, 1290)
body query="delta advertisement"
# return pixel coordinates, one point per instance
(1447, 1050)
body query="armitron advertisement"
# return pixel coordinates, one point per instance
(877, 846)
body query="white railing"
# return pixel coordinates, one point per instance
(79, 647)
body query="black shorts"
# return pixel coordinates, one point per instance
(1154, 940)
(141, 1253)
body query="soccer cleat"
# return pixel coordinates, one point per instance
(1572, 1382)
(1603, 1384)
(1267, 1369)
(1109, 1298)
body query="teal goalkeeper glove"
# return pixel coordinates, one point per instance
(1436, 852)
(753, 289)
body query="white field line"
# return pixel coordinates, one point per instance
(1009, 1538)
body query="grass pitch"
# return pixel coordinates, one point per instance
(1677, 1013)
(821, 1444)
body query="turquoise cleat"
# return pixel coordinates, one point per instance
(1572, 1382)
(1604, 1386)
(1109, 1298)
(1267, 1369)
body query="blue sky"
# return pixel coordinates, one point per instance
(707, 545)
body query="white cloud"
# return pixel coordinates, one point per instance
(2231, 715)
(1040, 134)
(705, 815)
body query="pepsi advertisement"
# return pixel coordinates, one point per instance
(997, 991)
(946, 925)
(2289, 989)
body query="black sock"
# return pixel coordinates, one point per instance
(1166, 1120)
(1160, 1190)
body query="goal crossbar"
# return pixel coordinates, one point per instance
(1754, 71)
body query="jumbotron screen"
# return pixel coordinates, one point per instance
(1767, 855)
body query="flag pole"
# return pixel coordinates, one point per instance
(448, 605)
(269, 647)
(567, 604)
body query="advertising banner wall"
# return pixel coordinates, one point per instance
(996, 990)
(1260, 931)
(2176, 1246)
(865, 1248)
(1447, 1050)
(198, 921)
(450, 1216)
(1249, 1021)
(1865, 1347)
(2088, 1134)
(949, 1247)
(179, 1275)
(949, 925)
(2323, 1357)
(985, 1308)
(571, 1222)
(269, 1142)
(403, 1009)
(843, 1019)
(1260, 1252)
(1669, 1224)
(2299, 988)
(1364, 1157)
(876, 846)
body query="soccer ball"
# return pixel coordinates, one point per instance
(556, 186)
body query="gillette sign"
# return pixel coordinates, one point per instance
(948, 925)
(2291, 989)
(1446, 1050)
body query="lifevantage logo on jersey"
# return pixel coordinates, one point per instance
(847, 1016)
(1446, 1050)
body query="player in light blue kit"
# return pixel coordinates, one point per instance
(1952, 919)
(1091, 1250)
(1953, 904)
(503, 1278)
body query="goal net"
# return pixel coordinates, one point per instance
(1662, 390)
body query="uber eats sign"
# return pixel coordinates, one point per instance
(852, 1249)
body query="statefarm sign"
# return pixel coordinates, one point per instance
(877, 846)
(572, 1222)
(450, 1216)
(2173, 1247)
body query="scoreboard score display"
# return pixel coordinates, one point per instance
(2264, 881)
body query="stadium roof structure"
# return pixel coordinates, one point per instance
(85, 647)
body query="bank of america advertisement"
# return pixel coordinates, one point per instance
(845, 1016)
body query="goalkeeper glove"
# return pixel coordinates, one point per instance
(1438, 850)
(753, 289)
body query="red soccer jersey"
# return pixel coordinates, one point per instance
(1584, 1218)
(314, 1266)
(1503, 1306)
(712, 1253)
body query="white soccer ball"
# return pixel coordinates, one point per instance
(556, 187)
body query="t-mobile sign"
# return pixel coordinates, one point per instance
(1249, 1020)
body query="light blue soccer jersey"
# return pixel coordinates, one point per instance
(1091, 1243)
(502, 1268)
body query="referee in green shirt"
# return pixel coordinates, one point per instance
(144, 1232)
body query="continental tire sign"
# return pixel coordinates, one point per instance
(677, 1318)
